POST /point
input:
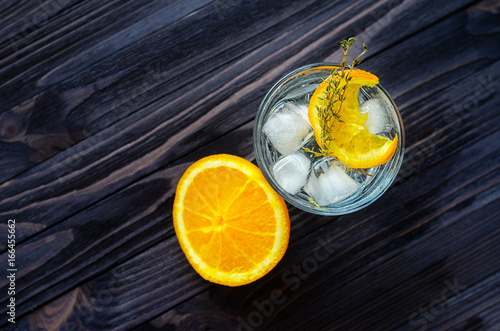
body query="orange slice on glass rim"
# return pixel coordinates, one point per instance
(232, 226)
(352, 144)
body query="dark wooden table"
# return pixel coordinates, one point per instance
(105, 104)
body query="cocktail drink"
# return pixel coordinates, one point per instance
(288, 134)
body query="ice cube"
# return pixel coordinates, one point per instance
(300, 109)
(377, 118)
(328, 183)
(287, 131)
(291, 172)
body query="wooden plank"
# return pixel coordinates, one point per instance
(379, 248)
(46, 274)
(36, 27)
(380, 290)
(22, 18)
(36, 227)
(128, 150)
(155, 67)
(25, 125)
(144, 77)
(476, 307)
(483, 120)
(82, 28)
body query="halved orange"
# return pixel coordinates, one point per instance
(232, 226)
(352, 144)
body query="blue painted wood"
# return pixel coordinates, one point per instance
(105, 104)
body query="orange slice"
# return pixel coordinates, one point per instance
(352, 144)
(232, 226)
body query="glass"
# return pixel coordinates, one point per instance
(290, 97)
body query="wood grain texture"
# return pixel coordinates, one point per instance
(378, 261)
(131, 140)
(106, 104)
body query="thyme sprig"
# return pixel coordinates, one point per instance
(337, 84)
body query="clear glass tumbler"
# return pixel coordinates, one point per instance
(280, 154)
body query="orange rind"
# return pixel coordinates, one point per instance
(351, 142)
(232, 226)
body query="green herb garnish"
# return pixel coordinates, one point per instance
(335, 93)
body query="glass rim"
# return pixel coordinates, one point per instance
(381, 188)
